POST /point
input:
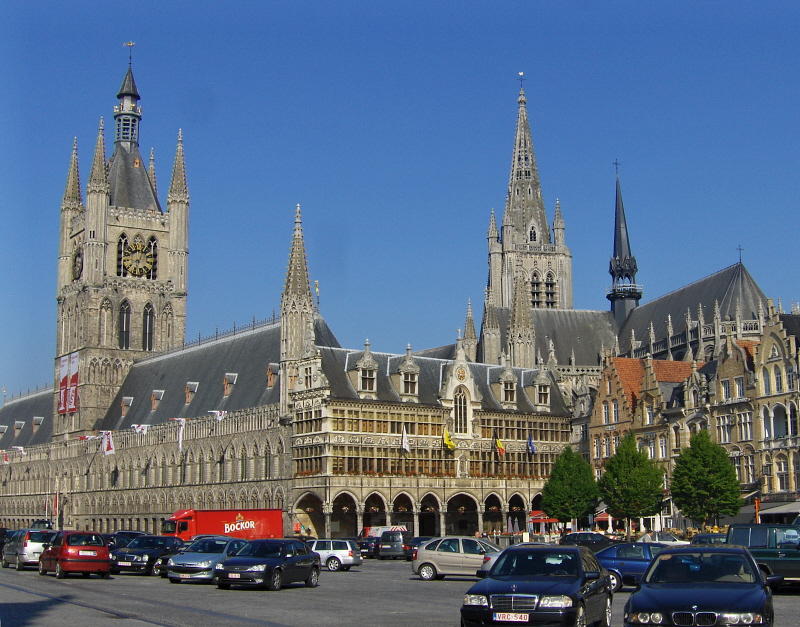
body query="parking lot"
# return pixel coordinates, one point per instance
(377, 593)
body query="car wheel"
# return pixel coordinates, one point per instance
(173, 580)
(605, 620)
(313, 578)
(85, 575)
(223, 586)
(42, 569)
(427, 572)
(580, 617)
(163, 574)
(19, 565)
(60, 574)
(115, 571)
(275, 580)
(615, 580)
(333, 564)
(105, 574)
(4, 563)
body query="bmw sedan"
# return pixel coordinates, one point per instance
(270, 564)
(702, 585)
(627, 562)
(541, 585)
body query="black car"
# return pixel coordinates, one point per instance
(142, 554)
(709, 538)
(269, 564)
(413, 544)
(121, 539)
(702, 585)
(589, 539)
(368, 546)
(542, 585)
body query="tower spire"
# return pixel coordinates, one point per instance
(128, 113)
(624, 293)
(520, 330)
(297, 284)
(72, 191)
(178, 190)
(98, 177)
(470, 341)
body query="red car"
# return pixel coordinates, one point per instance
(82, 552)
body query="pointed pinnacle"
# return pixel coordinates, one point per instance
(469, 325)
(178, 190)
(151, 170)
(297, 273)
(98, 178)
(72, 191)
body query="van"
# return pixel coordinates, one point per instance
(392, 544)
(25, 547)
(775, 548)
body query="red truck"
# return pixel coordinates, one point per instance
(238, 523)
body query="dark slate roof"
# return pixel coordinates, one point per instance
(791, 322)
(337, 362)
(728, 287)
(128, 87)
(24, 409)
(440, 352)
(129, 183)
(247, 354)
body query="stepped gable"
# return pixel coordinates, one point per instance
(248, 353)
(630, 372)
(24, 409)
(731, 286)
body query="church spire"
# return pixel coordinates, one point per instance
(178, 190)
(98, 177)
(624, 293)
(470, 341)
(297, 284)
(524, 204)
(72, 191)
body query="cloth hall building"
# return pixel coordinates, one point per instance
(454, 439)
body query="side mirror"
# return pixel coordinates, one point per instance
(773, 580)
(591, 575)
(481, 574)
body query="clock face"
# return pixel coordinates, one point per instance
(137, 259)
(77, 264)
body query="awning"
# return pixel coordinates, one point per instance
(538, 516)
(786, 508)
(601, 517)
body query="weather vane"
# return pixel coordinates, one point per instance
(740, 249)
(616, 166)
(130, 45)
(521, 79)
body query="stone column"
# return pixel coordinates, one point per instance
(359, 519)
(327, 512)
(415, 523)
(792, 479)
(442, 523)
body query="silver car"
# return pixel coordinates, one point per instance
(24, 547)
(451, 555)
(198, 561)
(337, 554)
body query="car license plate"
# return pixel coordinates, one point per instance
(184, 575)
(87, 552)
(386, 546)
(123, 563)
(234, 575)
(510, 617)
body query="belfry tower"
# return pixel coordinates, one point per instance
(624, 293)
(122, 269)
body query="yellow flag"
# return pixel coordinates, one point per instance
(447, 440)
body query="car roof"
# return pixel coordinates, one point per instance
(546, 547)
(707, 548)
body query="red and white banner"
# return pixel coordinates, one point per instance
(140, 428)
(72, 389)
(107, 443)
(63, 376)
(181, 425)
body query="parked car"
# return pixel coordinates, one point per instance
(702, 585)
(368, 546)
(270, 564)
(42, 523)
(142, 552)
(413, 544)
(337, 554)
(391, 544)
(120, 539)
(160, 565)
(627, 562)
(589, 539)
(775, 548)
(451, 555)
(663, 537)
(198, 561)
(709, 538)
(82, 552)
(25, 547)
(541, 584)
(490, 558)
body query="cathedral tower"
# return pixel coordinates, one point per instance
(624, 293)
(122, 269)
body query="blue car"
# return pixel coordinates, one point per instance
(627, 562)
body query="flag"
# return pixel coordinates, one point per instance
(405, 443)
(107, 443)
(21, 449)
(88, 437)
(501, 448)
(219, 415)
(140, 429)
(531, 445)
(447, 440)
(181, 424)
(5, 457)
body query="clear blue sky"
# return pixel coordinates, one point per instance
(392, 124)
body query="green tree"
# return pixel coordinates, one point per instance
(632, 485)
(704, 484)
(571, 491)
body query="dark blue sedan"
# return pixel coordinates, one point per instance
(702, 585)
(627, 562)
(541, 585)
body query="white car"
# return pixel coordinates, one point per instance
(662, 537)
(337, 554)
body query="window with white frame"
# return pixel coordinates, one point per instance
(662, 447)
(368, 379)
(649, 417)
(749, 468)
(460, 411)
(724, 424)
(737, 465)
(509, 392)
(605, 413)
(597, 450)
(616, 410)
(726, 389)
(778, 379)
(307, 377)
(746, 426)
(616, 443)
(544, 394)
(766, 384)
(739, 387)
(782, 474)
(651, 449)
(606, 447)
(409, 383)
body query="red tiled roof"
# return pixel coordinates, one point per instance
(672, 371)
(748, 346)
(630, 372)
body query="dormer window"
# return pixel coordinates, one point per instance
(509, 392)
(3, 429)
(38, 420)
(228, 382)
(409, 383)
(190, 390)
(543, 394)
(155, 399)
(367, 378)
(18, 424)
(125, 405)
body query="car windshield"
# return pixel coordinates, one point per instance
(700, 568)
(85, 539)
(41, 536)
(522, 563)
(207, 545)
(149, 542)
(261, 549)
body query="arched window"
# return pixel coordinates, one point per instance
(766, 381)
(550, 291)
(122, 245)
(536, 290)
(152, 253)
(105, 323)
(460, 411)
(778, 380)
(148, 325)
(124, 328)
